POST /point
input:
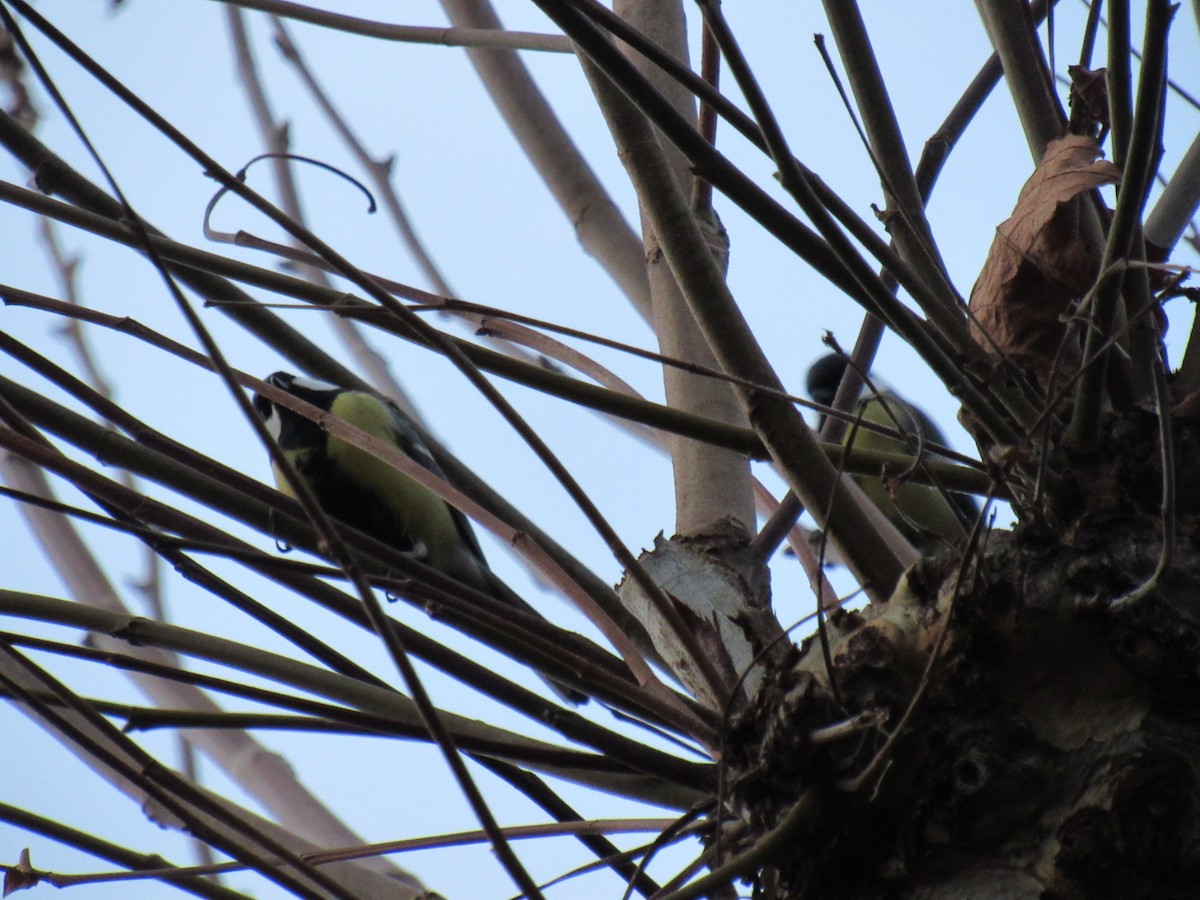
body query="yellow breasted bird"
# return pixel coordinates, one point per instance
(365, 492)
(922, 513)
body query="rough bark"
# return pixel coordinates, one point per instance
(1052, 749)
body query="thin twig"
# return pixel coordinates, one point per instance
(338, 551)
(411, 34)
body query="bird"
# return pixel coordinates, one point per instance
(363, 491)
(923, 514)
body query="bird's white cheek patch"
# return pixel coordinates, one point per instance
(274, 424)
(312, 384)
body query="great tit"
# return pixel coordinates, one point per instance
(922, 513)
(365, 492)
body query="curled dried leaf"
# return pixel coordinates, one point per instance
(1038, 267)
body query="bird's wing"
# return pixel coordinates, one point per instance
(414, 446)
(916, 421)
(912, 420)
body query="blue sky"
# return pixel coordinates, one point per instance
(487, 219)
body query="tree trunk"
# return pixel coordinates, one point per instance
(1049, 748)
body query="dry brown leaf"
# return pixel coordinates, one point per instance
(1038, 268)
(1089, 96)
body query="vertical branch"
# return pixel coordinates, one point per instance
(706, 122)
(905, 214)
(711, 484)
(793, 447)
(1010, 28)
(1119, 79)
(1145, 141)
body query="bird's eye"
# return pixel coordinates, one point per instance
(263, 406)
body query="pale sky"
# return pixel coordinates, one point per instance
(485, 216)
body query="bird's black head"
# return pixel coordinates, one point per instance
(310, 390)
(286, 425)
(824, 376)
(264, 407)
